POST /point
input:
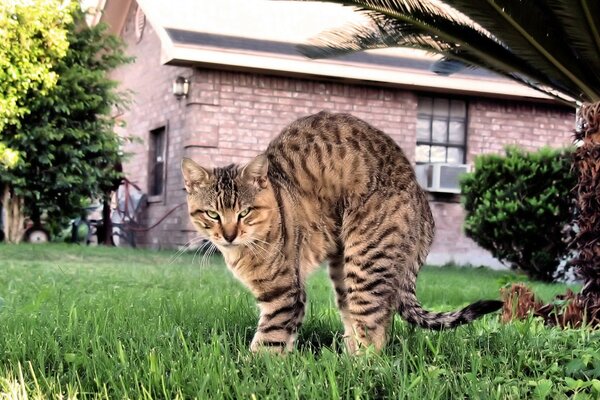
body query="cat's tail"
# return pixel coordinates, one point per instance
(410, 309)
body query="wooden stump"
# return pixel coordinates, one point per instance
(14, 220)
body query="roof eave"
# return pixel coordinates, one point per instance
(331, 69)
(114, 14)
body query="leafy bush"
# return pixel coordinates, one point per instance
(518, 204)
(66, 145)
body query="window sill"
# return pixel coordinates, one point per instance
(441, 197)
(160, 198)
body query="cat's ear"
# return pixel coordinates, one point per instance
(194, 175)
(255, 171)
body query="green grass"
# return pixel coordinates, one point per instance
(112, 323)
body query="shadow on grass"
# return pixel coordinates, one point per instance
(318, 335)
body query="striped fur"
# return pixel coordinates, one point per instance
(329, 187)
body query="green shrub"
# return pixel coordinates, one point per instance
(517, 205)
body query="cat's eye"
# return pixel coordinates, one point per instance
(244, 212)
(212, 214)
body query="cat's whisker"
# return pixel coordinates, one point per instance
(179, 253)
(189, 243)
(204, 255)
(249, 247)
(255, 245)
(212, 248)
(196, 253)
(185, 248)
(206, 249)
(265, 252)
(207, 254)
(201, 248)
(257, 240)
(213, 251)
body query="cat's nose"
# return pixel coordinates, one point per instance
(230, 236)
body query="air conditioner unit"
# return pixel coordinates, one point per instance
(440, 178)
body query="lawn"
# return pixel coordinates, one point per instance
(80, 322)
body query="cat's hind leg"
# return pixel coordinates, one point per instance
(337, 275)
(376, 249)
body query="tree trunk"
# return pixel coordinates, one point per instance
(14, 219)
(106, 222)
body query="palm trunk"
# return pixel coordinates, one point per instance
(14, 219)
(587, 167)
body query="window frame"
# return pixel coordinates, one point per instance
(448, 118)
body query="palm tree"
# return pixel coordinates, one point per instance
(550, 45)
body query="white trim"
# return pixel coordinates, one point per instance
(163, 36)
(246, 20)
(408, 78)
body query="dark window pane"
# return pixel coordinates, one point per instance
(458, 109)
(158, 145)
(457, 132)
(441, 107)
(424, 105)
(423, 129)
(156, 160)
(439, 131)
(157, 179)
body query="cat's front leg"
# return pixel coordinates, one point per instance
(281, 315)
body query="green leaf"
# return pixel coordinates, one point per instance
(574, 366)
(70, 357)
(543, 388)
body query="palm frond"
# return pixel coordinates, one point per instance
(581, 23)
(531, 32)
(551, 45)
(390, 29)
(354, 38)
(473, 62)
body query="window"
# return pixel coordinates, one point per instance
(156, 172)
(441, 130)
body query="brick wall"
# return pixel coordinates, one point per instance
(152, 106)
(231, 116)
(495, 124)
(245, 111)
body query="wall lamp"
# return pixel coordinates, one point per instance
(181, 87)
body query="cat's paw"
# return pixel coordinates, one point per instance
(269, 347)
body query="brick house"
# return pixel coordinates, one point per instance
(246, 82)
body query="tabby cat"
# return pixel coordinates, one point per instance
(329, 187)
